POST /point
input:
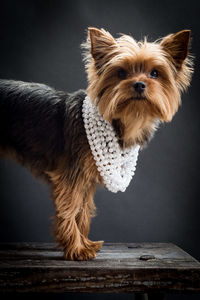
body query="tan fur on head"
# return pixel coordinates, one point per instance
(105, 57)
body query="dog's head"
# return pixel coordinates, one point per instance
(134, 83)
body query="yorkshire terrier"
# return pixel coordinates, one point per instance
(134, 85)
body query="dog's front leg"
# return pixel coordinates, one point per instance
(83, 218)
(71, 208)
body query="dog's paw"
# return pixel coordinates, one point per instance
(92, 245)
(86, 254)
(80, 253)
(96, 245)
(85, 251)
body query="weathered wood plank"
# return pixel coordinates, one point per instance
(118, 268)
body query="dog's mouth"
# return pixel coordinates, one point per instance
(137, 98)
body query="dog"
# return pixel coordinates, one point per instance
(134, 86)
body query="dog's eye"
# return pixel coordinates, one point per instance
(154, 73)
(122, 74)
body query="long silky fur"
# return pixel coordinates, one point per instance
(43, 130)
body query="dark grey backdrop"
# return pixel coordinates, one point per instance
(39, 41)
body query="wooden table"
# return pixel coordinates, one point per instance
(143, 268)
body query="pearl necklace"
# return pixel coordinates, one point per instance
(116, 166)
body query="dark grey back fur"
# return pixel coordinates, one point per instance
(39, 123)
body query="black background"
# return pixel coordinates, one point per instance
(40, 42)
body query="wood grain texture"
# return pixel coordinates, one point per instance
(118, 268)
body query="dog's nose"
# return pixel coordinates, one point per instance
(139, 86)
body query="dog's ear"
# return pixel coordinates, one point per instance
(102, 44)
(177, 46)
